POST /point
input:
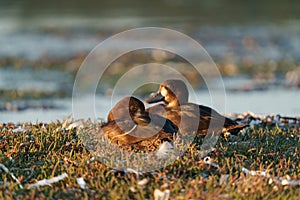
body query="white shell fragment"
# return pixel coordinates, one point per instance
(161, 195)
(81, 183)
(48, 181)
(19, 130)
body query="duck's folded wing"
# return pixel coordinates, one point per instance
(121, 131)
(209, 114)
(117, 125)
(208, 117)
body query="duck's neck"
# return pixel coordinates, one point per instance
(172, 104)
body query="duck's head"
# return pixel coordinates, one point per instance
(171, 92)
(129, 108)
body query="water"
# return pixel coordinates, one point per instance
(242, 29)
(26, 79)
(276, 99)
(242, 32)
(279, 101)
(259, 43)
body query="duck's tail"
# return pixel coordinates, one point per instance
(233, 127)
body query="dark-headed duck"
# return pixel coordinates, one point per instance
(188, 116)
(130, 124)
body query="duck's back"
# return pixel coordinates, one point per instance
(190, 117)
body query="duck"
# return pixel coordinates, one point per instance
(130, 126)
(172, 103)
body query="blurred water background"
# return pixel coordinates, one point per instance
(255, 44)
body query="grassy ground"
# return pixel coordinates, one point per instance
(33, 152)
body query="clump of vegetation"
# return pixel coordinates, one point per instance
(8, 94)
(262, 163)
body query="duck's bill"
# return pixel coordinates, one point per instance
(155, 97)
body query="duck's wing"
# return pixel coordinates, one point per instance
(127, 132)
(229, 124)
(209, 115)
(121, 131)
(212, 115)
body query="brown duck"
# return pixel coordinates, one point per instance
(189, 117)
(130, 124)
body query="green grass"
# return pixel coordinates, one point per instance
(43, 151)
